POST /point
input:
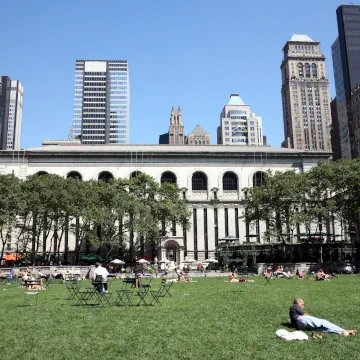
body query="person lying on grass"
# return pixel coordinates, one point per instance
(239, 279)
(320, 275)
(303, 321)
(268, 274)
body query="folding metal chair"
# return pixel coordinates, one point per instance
(29, 296)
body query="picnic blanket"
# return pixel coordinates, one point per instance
(294, 335)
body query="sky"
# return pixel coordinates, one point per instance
(192, 53)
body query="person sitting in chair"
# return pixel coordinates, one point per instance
(268, 274)
(303, 321)
(100, 280)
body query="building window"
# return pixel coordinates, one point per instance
(258, 178)
(40, 173)
(314, 70)
(74, 175)
(216, 227)
(301, 70)
(195, 234)
(307, 70)
(134, 174)
(199, 181)
(237, 223)
(105, 176)
(230, 181)
(206, 234)
(226, 222)
(185, 240)
(168, 177)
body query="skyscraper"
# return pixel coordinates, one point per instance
(238, 125)
(346, 62)
(11, 105)
(101, 102)
(305, 96)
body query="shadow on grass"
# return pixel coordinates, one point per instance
(288, 325)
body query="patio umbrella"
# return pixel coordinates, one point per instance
(211, 261)
(164, 261)
(189, 261)
(10, 257)
(117, 261)
(143, 261)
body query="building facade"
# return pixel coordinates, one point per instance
(11, 107)
(211, 179)
(355, 110)
(346, 63)
(238, 125)
(198, 137)
(335, 131)
(305, 95)
(101, 102)
(175, 136)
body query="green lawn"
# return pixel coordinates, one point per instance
(203, 320)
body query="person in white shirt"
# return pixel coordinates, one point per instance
(103, 273)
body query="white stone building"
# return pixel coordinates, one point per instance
(211, 178)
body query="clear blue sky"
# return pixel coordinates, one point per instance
(188, 52)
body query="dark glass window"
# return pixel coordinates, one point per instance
(39, 173)
(134, 174)
(307, 70)
(226, 222)
(195, 234)
(105, 176)
(237, 222)
(230, 181)
(216, 226)
(74, 175)
(301, 70)
(258, 178)
(199, 181)
(314, 70)
(168, 177)
(206, 234)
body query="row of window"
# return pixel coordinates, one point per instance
(199, 180)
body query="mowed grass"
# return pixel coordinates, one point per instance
(203, 320)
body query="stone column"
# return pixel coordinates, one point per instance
(231, 221)
(221, 222)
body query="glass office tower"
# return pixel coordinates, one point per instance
(101, 102)
(346, 61)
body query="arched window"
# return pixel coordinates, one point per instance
(203, 142)
(134, 174)
(230, 181)
(301, 70)
(199, 181)
(314, 70)
(258, 179)
(105, 176)
(40, 173)
(74, 175)
(168, 177)
(307, 70)
(195, 142)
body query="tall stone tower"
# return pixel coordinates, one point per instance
(176, 128)
(305, 96)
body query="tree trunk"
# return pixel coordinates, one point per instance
(33, 240)
(77, 240)
(66, 249)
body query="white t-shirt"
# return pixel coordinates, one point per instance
(101, 271)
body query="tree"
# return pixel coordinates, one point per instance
(10, 204)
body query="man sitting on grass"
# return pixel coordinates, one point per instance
(303, 321)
